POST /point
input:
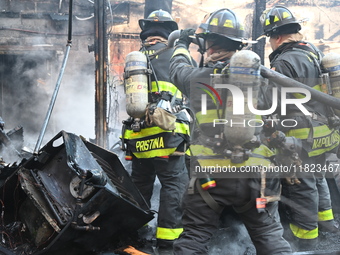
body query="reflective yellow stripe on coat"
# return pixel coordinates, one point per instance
(145, 132)
(165, 86)
(324, 139)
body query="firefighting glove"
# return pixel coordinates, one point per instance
(185, 38)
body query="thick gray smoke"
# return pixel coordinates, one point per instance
(28, 78)
(28, 90)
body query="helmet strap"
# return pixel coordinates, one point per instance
(201, 49)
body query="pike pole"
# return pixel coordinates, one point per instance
(285, 81)
(56, 89)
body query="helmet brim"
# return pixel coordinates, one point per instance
(277, 28)
(143, 23)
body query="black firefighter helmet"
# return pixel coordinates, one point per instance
(223, 27)
(158, 22)
(279, 20)
(222, 22)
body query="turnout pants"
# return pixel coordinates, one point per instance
(309, 202)
(173, 176)
(200, 221)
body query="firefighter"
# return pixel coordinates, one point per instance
(221, 36)
(308, 206)
(159, 150)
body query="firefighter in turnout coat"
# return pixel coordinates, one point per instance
(156, 150)
(223, 34)
(308, 204)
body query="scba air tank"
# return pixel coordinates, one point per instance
(136, 84)
(331, 64)
(244, 74)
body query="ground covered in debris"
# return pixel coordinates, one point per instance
(232, 237)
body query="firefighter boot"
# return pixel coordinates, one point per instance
(299, 244)
(164, 247)
(307, 244)
(330, 226)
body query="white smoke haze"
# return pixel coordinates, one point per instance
(29, 95)
(24, 101)
(29, 79)
(10, 154)
(74, 111)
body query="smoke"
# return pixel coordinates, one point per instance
(9, 154)
(24, 93)
(29, 77)
(28, 88)
(74, 110)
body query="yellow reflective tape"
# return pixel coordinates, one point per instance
(303, 133)
(165, 86)
(303, 233)
(168, 233)
(201, 150)
(285, 15)
(264, 151)
(181, 51)
(310, 60)
(267, 22)
(180, 128)
(228, 23)
(214, 22)
(276, 19)
(252, 161)
(207, 118)
(298, 95)
(154, 153)
(317, 87)
(323, 138)
(325, 215)
(321, 151)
